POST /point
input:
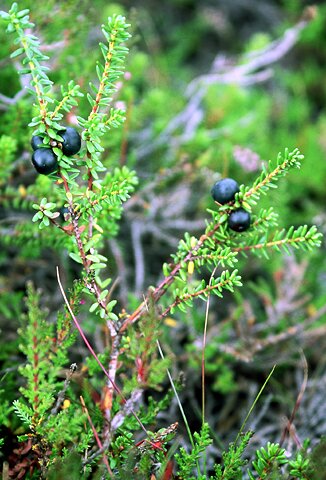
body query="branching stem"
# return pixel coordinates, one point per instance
(104, 78)
(160, 290)
(41, 101)
(203, 291)
(273, 243)
(92, 352)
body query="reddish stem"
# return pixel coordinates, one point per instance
(97, 438)
(89, 347)
(161, 288)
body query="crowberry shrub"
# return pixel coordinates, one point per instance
(55, 418)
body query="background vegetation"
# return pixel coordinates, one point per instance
(200, 104)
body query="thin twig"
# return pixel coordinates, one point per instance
(244, 73)
(204, 348)
(119, 417)
(274, 52)
(89, 347)
(204, 291)
(290, 332)
(288, 426)
(183, 414)
(121, 268)
(254, 404)
(112, 370)
(136, 235)
(160, 290)
(97, 438)
(62, 392)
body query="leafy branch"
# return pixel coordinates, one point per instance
(94, 202)
(99, 120)
(68, 100)
(268, 461)
(218, 245)
(17, 22)
(269, 176)
(187, 461)
(227, 281)
(303, 237)
(231, 469)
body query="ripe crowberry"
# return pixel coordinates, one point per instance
(44, 161)
(64, 212)
(71, 141)
(36, 142)
(225, 190)
(239, 220)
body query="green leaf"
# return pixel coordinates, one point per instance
(75, 257)
(111, 304)
(48, 213)
(223, 218)
(22, 13)
(93, 307)
(104, 294)
(17, 52)
(93, 258)
(106, 282)
(38, 215)
(97, 266)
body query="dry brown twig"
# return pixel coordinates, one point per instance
(250, 70)
(289, 426)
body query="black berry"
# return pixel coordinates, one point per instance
(36, 142)
(225, 190)
(239, 220)
(63, 213)
(44, 161)
(71, 141)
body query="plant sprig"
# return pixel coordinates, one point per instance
(218, 246)
(270, 174)
(94, 201)
(17, 22)
(103, 117)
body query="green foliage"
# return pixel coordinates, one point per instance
(41, 370)
(70, 466)
(5, 408)
(187, 461)
(219, 246)
(316, 462)
(233, 461)
(97, 201)
(97, 123)
(45, 349)
(268, 461)
(98, 436)
(8, 146)
(300, 466)
(141, 347)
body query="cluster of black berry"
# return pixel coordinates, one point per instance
(224, 192)
(44, 159)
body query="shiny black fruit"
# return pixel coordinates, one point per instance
(239, 220)
(71, 141)
(44, 161)
(225, 190)
(36, 142)
(64, 212)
